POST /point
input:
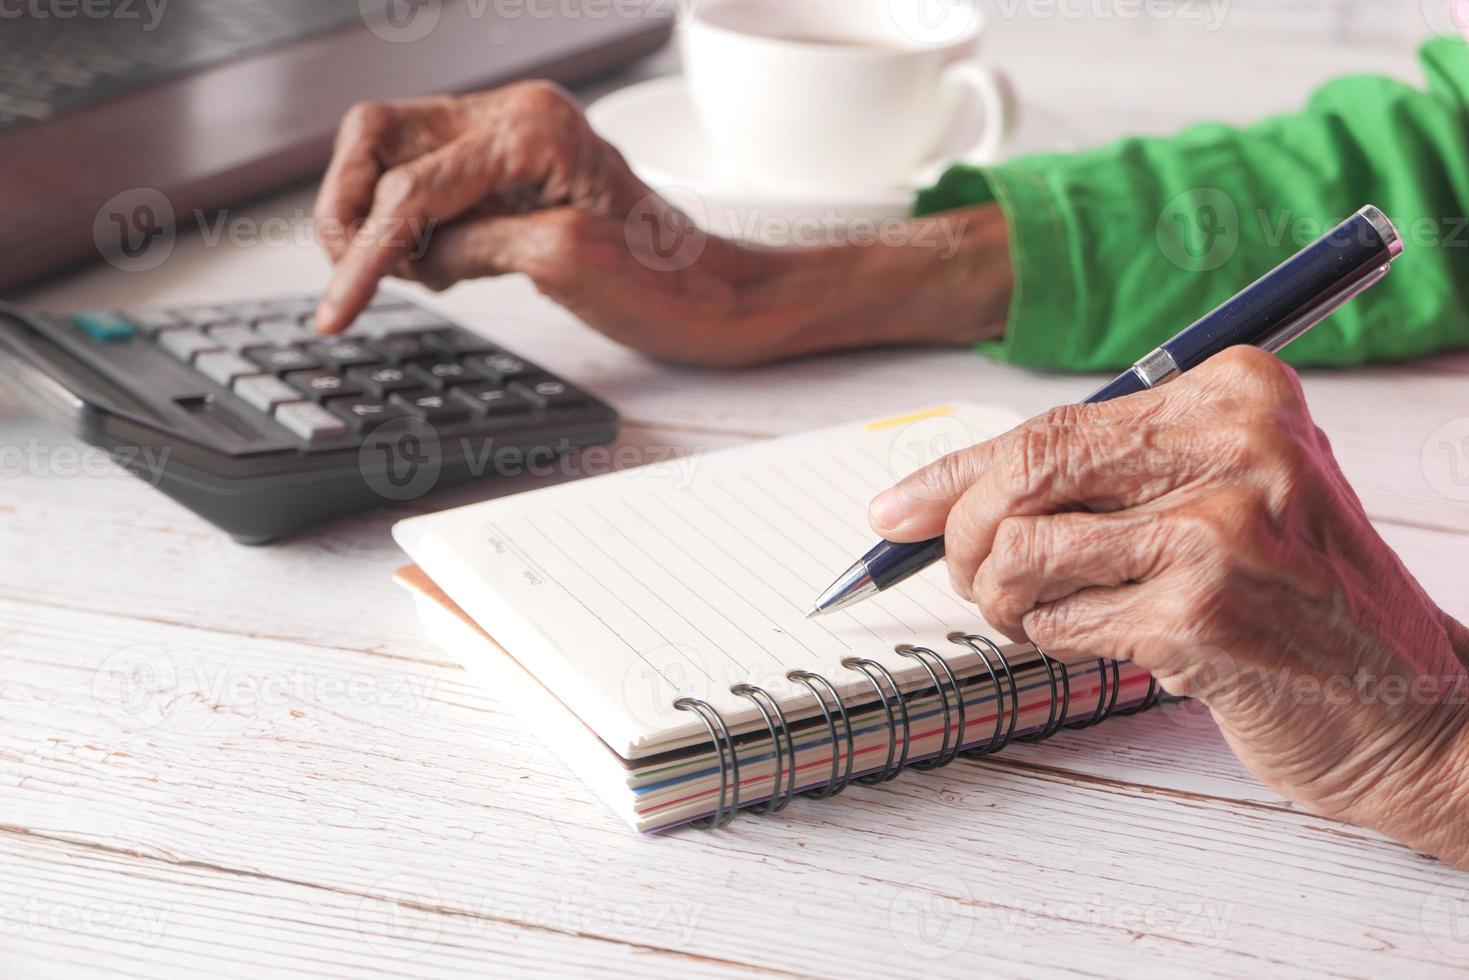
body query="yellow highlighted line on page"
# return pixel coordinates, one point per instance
(906, 419)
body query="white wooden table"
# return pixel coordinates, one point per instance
(307, 786)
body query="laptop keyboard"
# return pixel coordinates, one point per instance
(397, 361)
(50, 64)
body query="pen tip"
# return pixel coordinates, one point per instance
(813, 612)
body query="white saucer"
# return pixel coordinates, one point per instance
(653, 124)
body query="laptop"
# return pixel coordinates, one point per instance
(113, 110)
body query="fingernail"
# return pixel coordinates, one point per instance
(886, 510)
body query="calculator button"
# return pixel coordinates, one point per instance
(310, 422)
(204, 316)
(236, 336)
(361, 413)
(456, 341)
(285, 331)
(264, 391)
(322, 385)
(186, 344)
(294, 308)
(103, 326)
(489, 398)
(282, 359)
(152, 321)
(501, 367)
(404, 348)
(441, 374)
(223, 367)
(250, 312)
(383, 323)
(431, 406)
(382, 381)
(548, 392)
(345, 353)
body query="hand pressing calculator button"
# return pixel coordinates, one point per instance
(268, 427)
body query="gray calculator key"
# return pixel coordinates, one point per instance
(295, 307)
(282, 359)
(381, 323)
(204, 316)
(152, 321)
(285, 331)
(310, 421)
(223, 367)
(345, 353)
(501, 367)
(265, 391)
(186, 344)
(236, 336)
(250, 312)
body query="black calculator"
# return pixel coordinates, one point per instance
(244, 414)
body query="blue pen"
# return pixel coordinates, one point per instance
(1269, 314)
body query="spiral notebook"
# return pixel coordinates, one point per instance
(650, 627)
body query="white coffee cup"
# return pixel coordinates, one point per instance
(810, 95)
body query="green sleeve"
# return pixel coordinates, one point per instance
(1118, 248)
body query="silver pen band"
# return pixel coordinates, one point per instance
(1158, 367)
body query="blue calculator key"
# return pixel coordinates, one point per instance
(104, 326)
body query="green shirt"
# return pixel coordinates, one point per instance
(1118, 248)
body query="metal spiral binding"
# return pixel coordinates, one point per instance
(835, 785)
(1059, 706)
(872, 670)
(983, 646)
(998, 673)
(767, 706)
(713, 720)
(926, 659)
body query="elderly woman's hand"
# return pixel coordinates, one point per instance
(1204, 531)
(515, 180)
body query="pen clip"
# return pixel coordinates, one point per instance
(1292, 329)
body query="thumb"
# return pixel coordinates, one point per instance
(917, 508)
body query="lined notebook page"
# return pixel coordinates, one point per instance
(625, 592)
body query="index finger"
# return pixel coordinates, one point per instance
(346, 191)
(409, 201)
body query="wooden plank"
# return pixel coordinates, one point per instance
(73, 909)
(338, 770)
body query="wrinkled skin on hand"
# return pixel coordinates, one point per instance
(1204, 531)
